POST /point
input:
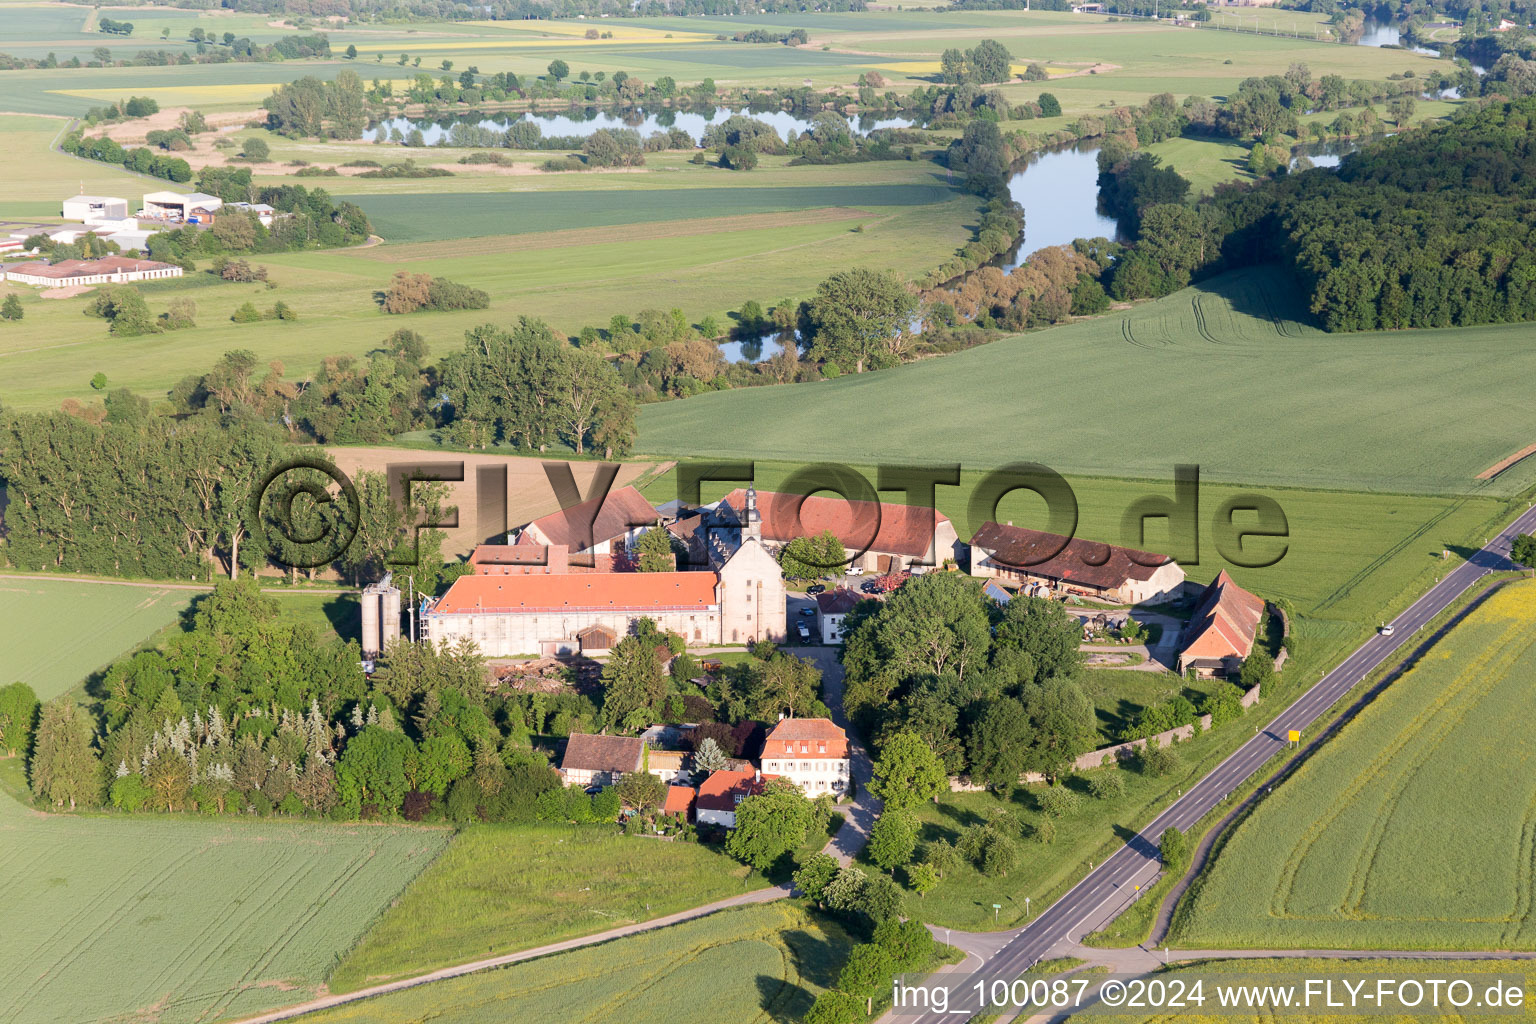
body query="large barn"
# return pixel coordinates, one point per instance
(1220, 634)
(1062, 566)
(876, 536)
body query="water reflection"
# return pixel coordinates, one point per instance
(1060, 194)
(584, 122)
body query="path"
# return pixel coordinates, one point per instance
(1105, 892)
(326, 1002)
(861, 813)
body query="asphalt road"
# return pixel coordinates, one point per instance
(1111, 886)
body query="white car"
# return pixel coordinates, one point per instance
(854, 570)
(805, 634)
(1386, 630)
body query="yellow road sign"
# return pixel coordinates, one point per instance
(1294, 735)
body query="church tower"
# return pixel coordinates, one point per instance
(751, 518)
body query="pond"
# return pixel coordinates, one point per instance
(1059, 191)
(1388, 33)
(1332, 153)
(583, 123)
(756, 350)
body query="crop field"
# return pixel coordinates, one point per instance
(59, 631)
(570, 277)
(415, 218)
(1134, 59)
(529, 494)
(502, 888)
(1300, 967)
(190, 919)
(757, 965)
(1373, 843)
(1225, 374)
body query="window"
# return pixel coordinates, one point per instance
(821, 748)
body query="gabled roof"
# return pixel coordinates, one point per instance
(588, 591)
(679, 799)
(586, 752)
(1225, 622)
(1076, 561)
(872, 525)
(719, 792)
(622, 509)
(837, 602)
(810, 732)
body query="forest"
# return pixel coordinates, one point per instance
(1432, 228)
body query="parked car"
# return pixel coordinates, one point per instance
(807, 611)
(805, 633)
(816, 588)
(870, 587)
(854, 570)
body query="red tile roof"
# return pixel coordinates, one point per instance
(861, 525)
(720, 790)
(588, 591)
(622, 509)
(90, 268)
(1225, 622)
(1104, 566)
(679, 800)
(591, 753)
(837, 602)
(805, 737)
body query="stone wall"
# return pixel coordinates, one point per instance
(1106, 755)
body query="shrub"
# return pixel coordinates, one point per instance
(129, 793)
(240, 271)
(255, 149)
(1057, 801)
(246, 314)
(1159, 761)
(1106, 784)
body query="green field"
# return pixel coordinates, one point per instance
(1299, 968)
(1374, 844)
(758, 965)
(416, 218)
(708, 263)
(1224, 374)
(502, 888)
(179, 919)
(60, 631)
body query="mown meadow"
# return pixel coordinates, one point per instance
(755, 965)
(1374, 843)
(501, 888)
